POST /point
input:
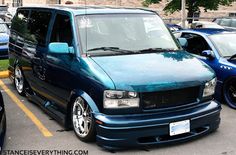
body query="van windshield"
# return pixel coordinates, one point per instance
(128, 32)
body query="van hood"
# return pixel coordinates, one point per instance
(155, 71)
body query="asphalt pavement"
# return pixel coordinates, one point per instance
(24, 133)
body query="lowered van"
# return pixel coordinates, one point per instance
(114, 74)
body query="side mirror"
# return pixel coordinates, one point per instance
(208, 53)
(59, 48)
(183, 42)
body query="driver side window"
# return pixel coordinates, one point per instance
(196, 43)
(62, 30)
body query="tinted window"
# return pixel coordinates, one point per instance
(225, 22)
(196, 44)
(19, 23)
(62, 31)
(38, 25)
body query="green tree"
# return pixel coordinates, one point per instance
(191, 5)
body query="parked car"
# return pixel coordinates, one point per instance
(116, 74)
(2, 122)
(216, 47)
(4, 39)
(205, 24)
(174, 27)
(3, 11)
(229, 23)
(9, 15)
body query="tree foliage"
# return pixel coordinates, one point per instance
(191, 5)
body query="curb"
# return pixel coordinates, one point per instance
(4, 74)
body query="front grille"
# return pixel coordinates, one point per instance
(169, 98)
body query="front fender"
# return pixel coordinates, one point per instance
(74, 94)
(86, 97)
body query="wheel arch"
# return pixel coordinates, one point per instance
(11, 68)
(227, 80)
(225, 84)
(79, 93)
(16, 62)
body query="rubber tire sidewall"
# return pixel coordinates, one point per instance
(225, 94)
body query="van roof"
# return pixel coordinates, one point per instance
(82, 9)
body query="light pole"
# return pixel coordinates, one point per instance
(183, 14)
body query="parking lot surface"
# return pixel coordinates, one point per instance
(24, 134)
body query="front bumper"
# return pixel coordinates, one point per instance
(117, 132)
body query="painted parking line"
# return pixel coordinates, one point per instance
(33, 118)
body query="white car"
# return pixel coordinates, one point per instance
(202, 24)
(205, 24)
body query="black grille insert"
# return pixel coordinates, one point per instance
(169, 98)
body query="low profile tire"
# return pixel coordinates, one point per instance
(19, 81)
(229, 92)
(83, 121)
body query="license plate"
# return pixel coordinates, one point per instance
(177, 128)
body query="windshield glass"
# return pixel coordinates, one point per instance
(3, 28)
(131, 32)
(226, 46)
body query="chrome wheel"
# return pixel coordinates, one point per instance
(19, 80)
(82, 118)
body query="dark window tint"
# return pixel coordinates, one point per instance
(225, 22)
(196, 44)
(62, 31)
(19, 22)
(38, 25)
(232, 14)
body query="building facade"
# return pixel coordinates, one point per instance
(223, 10)
(16, 3)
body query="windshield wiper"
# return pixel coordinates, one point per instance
(114, 49)
(151, 50)
(232, 57)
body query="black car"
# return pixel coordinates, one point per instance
(2, 122)
(229, 23)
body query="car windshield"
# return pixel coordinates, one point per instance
(129, 32)
(225, 43)
(3, 28)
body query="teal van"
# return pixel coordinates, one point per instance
(114, 74)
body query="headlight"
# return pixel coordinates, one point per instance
(120, 99)
(209, 88)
